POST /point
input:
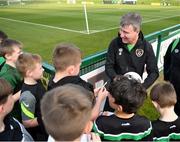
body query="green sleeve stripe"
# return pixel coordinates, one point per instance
(174, 44)
(121, 136)
(170, 137)
(26, 111)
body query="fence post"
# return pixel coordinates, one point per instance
(158, 46)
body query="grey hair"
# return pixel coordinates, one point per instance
(133, 19)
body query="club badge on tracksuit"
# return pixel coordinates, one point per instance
(176, 50)
(139, 52)
(120, 51)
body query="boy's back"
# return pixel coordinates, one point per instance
(114, 128)
(167, 127)
(164, 131)
(126, 96)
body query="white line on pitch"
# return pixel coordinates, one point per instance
(148, 21)
(82, 32)
(42, 25)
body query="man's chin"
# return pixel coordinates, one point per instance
(124, 41)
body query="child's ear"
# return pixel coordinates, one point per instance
(1, 108)
(7, 56)
(88, 127)
(70, 70)
(28, 73)
(120, 108)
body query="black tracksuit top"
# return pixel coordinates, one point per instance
(120, 61)
(172, 69)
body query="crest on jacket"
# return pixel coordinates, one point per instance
(139, 52)
(176, 50)
(120, 51)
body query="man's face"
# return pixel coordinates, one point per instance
(128, 34)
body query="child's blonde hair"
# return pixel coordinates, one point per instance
(27, 61)
(65, 111)
(65, 55)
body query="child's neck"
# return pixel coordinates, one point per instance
(29, 81)
(12, 64)
(59, 75)
(168, 114)
(124, 115)
(2, 126)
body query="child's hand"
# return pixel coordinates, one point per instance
(96, 90)
(101, 93)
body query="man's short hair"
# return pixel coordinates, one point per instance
(65, 111)
(65, 55)
(5, 90)
(27, 61)
(164, 94)
(133, 19)
(7, 46)
(128, 93)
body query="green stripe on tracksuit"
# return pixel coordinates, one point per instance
(26, 111)
(127, 136)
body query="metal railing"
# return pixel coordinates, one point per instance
(95, 61)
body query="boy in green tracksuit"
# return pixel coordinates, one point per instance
(10, 50)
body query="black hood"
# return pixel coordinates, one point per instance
(70, 79)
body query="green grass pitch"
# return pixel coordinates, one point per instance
(41, 26)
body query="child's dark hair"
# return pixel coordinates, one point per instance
(130, 94)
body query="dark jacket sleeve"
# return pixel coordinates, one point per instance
(110, 61)
(151, 66)
(167, 62)
(88, 86)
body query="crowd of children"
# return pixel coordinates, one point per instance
(68, 109)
